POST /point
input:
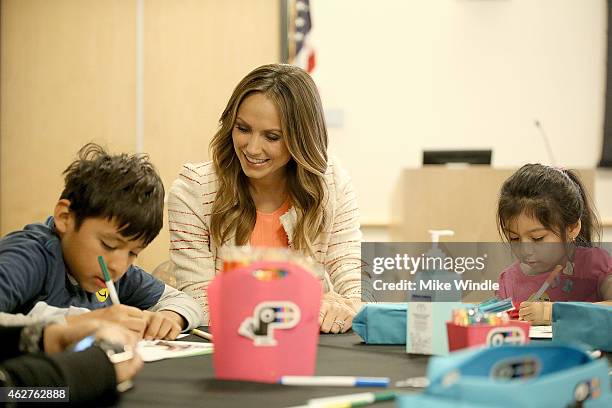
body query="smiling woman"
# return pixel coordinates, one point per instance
(270, 184)
(263, 154)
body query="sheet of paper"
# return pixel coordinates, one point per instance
(540, 332)
(154, 350)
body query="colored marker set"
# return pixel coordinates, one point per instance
(242, 256)
(492, 312)
(472, 316)
(269, 274)
(487, 323)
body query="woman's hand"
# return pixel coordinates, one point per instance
(337, 312)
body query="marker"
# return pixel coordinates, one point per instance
(547, 283)
(109, 282)
(351, 400)
(335, 381)
(496, 305)
(202, 334)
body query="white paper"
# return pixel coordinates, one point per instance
(154, 350)
(540, 332)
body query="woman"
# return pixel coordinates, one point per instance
(269, 184)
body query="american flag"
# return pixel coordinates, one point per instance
(301, 52)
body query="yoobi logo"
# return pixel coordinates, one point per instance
(268, 317)
(102, 295)
(505, 335)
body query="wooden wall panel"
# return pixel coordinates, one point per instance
(195, 54)
(68, 76)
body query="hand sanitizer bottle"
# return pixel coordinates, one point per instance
(433, 273)
(430, 307)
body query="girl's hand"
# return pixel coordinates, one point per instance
(538, 313)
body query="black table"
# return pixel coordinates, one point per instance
(190, 381)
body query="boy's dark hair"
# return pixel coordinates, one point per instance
(123, 188)
(555, 197)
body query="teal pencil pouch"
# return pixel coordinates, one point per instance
(381, 323)
(583, 322)
(542, 375)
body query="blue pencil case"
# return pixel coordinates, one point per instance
(381, 323)
(587, 323)
(535, 375)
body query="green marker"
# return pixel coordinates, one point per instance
(109, 282)
(352, 400)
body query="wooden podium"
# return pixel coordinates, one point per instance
(461, 199)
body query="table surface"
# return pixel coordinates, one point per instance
(190, 381)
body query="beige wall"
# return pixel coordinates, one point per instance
(402, 76)
(194, 56)
(68, 75)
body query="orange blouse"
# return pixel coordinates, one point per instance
(269, 231)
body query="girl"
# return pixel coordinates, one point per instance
(547, 217)
(270, 183)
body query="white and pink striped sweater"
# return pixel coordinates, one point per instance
(196, 260)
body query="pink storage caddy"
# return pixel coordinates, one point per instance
(264, 319)
(513, 332)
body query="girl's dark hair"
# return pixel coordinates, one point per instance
(123, 188)
(555, 197)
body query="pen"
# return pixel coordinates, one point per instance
(351, 400)
(203, 334)
(109, 282)
(336, 381)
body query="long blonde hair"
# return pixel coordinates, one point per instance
(296, 97)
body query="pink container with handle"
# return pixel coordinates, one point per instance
(265, 322)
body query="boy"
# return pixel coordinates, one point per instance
(112, 205)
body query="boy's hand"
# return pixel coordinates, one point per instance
(538, 313)
(129, 317)
(163, 325)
